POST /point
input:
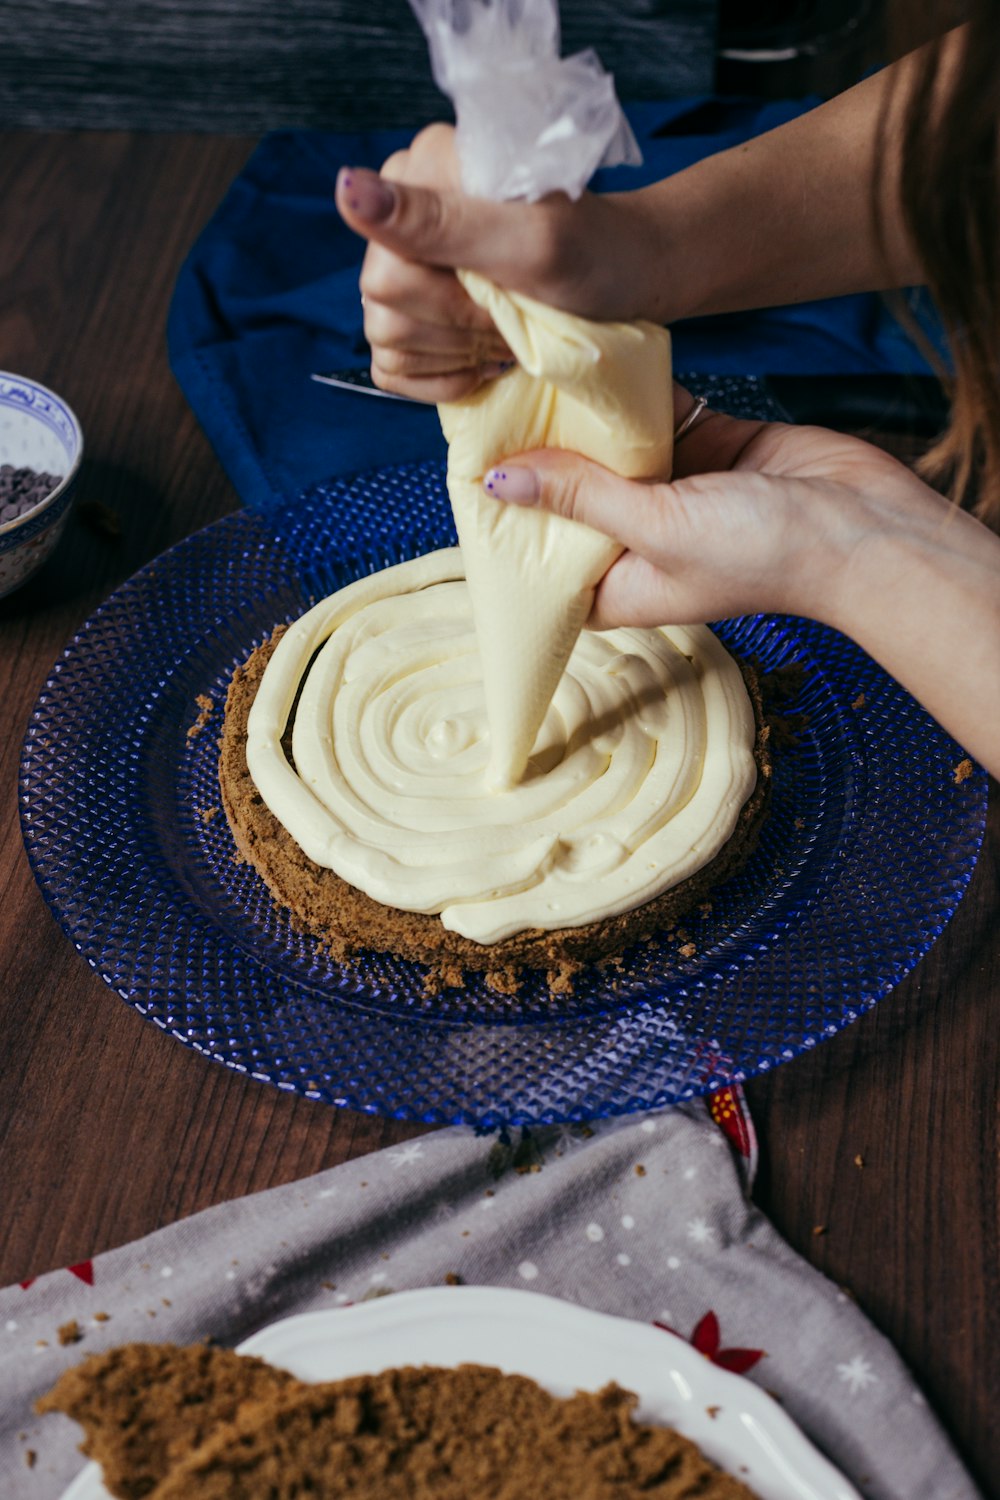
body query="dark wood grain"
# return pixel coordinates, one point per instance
(258, 64)
(913, 1233)
(109, 1128)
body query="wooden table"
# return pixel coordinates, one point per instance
(109, 1129)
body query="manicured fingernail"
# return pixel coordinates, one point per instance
(497, 368)
(517, 485)
(365, 194)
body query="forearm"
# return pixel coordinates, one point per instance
(924, 600)
(783, 218)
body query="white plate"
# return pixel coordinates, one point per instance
(565, 1348)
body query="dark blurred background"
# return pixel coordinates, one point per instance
(252, 65)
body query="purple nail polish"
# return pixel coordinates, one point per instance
(372, 198)
(496, 368)
(517, 485)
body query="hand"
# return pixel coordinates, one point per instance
(782, 218)
(428, 339)
(767, 517)
(758, 517)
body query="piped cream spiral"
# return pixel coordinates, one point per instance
(636, 778)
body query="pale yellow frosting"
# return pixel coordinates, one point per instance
(599, 389)
(463, 749)
(636, 777)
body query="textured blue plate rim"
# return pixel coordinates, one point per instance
(349, 1097)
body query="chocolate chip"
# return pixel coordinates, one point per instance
(22, 489)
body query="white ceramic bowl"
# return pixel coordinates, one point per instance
(38, 431)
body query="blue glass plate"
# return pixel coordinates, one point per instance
(869, 846)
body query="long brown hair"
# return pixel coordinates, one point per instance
(949, 193)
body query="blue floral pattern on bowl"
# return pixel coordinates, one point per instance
(37, 430)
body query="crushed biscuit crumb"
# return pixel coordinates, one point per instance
(252, 1424)
(205, 706)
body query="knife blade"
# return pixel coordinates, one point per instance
(361, 383)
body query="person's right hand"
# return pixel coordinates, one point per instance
(428, 339)
(798, 520)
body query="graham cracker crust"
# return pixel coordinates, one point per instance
(346, 921)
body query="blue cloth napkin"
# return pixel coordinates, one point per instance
(269, 294)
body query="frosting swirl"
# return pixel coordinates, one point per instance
(636, 779)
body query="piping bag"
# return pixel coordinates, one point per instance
(531, 123)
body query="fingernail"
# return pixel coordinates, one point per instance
(497, 368)
(517, 485)
(365, 194)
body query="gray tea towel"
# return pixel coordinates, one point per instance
(647, 1217)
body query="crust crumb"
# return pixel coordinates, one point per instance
(195, 1421)
(205, 706)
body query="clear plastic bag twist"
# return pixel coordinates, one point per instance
(529, 122)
